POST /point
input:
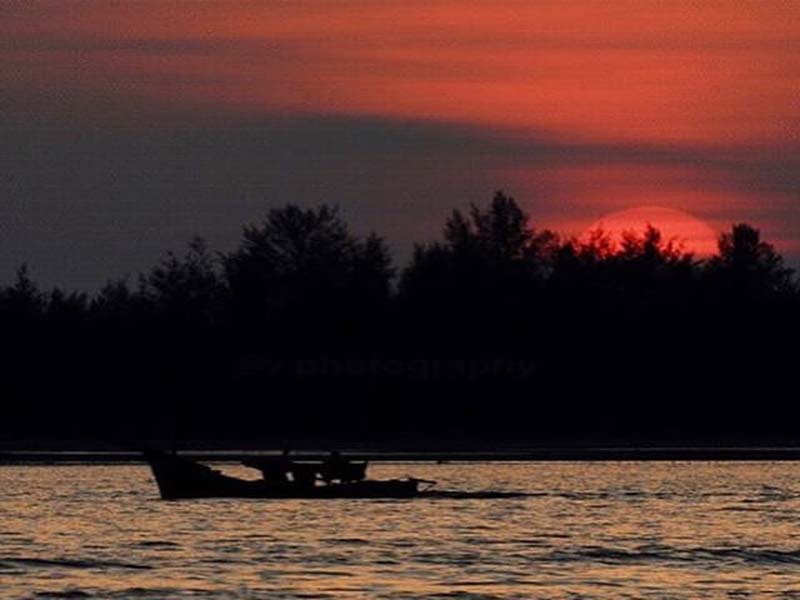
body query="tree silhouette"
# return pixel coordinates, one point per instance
(115, 302)
(302, 268)
(500, 234)
(550, 337)
(641, 263)
(22, 302)
(186, 289)
(490, 267)
(487, 247)
(66, 308)
(748, 266)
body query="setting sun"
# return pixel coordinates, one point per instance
(694, 235)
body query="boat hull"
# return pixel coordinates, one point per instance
(181, 479)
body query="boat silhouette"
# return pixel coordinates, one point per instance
(180, 478)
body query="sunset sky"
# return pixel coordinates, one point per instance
(127, 127)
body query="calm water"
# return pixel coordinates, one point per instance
(590, 530)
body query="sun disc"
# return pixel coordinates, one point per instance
(695, 235)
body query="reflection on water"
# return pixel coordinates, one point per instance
(589, 530)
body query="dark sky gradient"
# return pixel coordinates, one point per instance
(127, 128)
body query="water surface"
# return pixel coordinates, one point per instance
(588, 530)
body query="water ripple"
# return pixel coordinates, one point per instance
(536, 530)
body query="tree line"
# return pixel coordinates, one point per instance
(499, 329)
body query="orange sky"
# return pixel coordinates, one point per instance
(717, 72)
(689, 105)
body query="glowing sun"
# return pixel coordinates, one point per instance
(695, 235)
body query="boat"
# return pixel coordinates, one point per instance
(180, 478)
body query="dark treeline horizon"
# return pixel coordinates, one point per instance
(499, 331)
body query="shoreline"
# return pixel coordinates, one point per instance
(556, 454)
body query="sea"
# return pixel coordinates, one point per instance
(584, 530)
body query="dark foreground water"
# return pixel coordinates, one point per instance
(589, 530)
